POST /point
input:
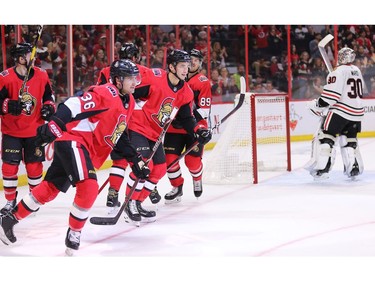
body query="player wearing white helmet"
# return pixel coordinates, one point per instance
(342, 101)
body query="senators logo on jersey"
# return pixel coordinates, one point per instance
(28, 102)
(164, 113)
(120, 128)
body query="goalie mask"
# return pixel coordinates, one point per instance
(345, 56)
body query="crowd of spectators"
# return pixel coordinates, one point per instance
(267, 54)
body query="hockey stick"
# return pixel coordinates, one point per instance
(321, 45)
(238, 105)
(103, 185)
(114, 220)
(29, 65)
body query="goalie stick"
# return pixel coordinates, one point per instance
(321, 46)
(114, 220)
(29, 65)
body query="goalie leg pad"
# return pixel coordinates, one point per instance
(351, 156)
(323, 153)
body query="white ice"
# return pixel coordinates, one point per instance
(287, 215)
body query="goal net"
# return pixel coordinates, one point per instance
(256, 139)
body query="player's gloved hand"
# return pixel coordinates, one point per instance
(316, 109)
(48, 109)
(50, 131)
(12, 107)
(203, 135)
(139, 169)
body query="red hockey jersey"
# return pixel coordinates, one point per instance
(37, 91)
(201, 87)
(151, 112)
(106, 120)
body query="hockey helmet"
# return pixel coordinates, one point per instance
(345, 56)
(124, 68)
(196, 53)
(177, 56)
(128, 51)
(20, 50)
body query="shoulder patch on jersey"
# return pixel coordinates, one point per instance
(112, 90)
(156, 71)
(203, 78)
(4, 73)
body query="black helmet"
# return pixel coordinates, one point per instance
(123, 68)
(128, 51)
(196, 53)
(177, 56)
(21, 49)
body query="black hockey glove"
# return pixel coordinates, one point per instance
(48, 132)
(12, 107)
(203, 135)
(48, 109)
(138, 167)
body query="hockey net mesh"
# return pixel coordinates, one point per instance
(231, 160)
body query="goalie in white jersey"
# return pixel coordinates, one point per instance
(340, 106)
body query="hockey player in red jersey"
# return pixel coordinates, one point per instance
(21, 114)
(117, 172)
(177, 138)
(341, 108)
(84, 129)
(156, 100)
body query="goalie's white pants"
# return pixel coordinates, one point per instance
(350, 155)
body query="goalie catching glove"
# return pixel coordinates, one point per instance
(50, 131)
(203, 135)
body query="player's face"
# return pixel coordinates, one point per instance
(182, 69)
(195, 64)
(24, 60)
(129, 83)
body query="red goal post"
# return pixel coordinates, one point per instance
(255, 140)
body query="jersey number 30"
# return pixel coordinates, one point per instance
(356, 89)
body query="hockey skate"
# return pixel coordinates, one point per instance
(154, 196)
(198, 188)
(72, 241)
(354, 172)
(9, 206)
(112, 200)
(149, 216)
(132, 214)
(173, 196)
(320, 174)
(7, 222)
